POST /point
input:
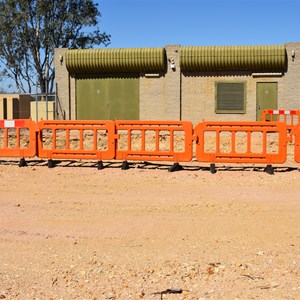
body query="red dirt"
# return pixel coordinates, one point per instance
(74, 232)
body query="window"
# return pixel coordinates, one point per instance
(230, 97)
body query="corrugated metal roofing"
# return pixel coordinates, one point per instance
(115, 60)
(232, 58)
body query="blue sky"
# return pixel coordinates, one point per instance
(156, 23)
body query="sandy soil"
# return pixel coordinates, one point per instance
(75, 232)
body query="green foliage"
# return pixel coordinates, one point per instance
(31, 29)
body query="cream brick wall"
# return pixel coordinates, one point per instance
(62, 84)
(291, 88)
(198, 95)
(160, 97)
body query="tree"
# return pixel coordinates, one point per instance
(31, 29)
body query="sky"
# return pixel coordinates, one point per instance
(156, 23)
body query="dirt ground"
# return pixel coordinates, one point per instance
(75, 232)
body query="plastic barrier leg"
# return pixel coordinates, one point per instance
(125, 165)
(51, 164)
(22, 162)
(269, 170)
(100, 165)
(212, 168)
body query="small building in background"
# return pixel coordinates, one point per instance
(25, 106)
(177, 82)
(42, 110)
(15, 106)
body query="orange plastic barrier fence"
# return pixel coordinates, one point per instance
(217, 142)
(241, 142)
(154, 140)
(290, 117)
(18, 138)
(76, 140)
(296, 132)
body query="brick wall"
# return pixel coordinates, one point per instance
(291, 88)
(62, 84)
(160, 96)
(171, 95)
(199, 95)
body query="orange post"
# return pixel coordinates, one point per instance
(18, 138)
(91, 140)
(154, 141)
(241, 142)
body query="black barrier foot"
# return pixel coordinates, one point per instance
(269, 169)
(125, 165)
(212, 169)
(22, 162)
(100, 165)
(50, 164)
(175, 167)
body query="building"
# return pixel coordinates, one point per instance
(25, 106)
(177, 82)
(15, 106)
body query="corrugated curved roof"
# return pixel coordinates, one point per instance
(115, 60)
(232, 58)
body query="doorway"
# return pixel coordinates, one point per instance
(266, 97)
(107, 97)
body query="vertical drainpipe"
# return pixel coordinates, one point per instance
(69, 94)
(180, 95)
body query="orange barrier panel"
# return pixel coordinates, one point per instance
(18, 138)
(296, 131)
(290, 117)
(154, 140)
(76, 140)
(241, 142)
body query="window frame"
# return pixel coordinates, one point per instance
(230, 111)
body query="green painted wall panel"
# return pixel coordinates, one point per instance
(107, 98)
(266, 97)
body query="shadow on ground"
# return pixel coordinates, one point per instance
(195, 167)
